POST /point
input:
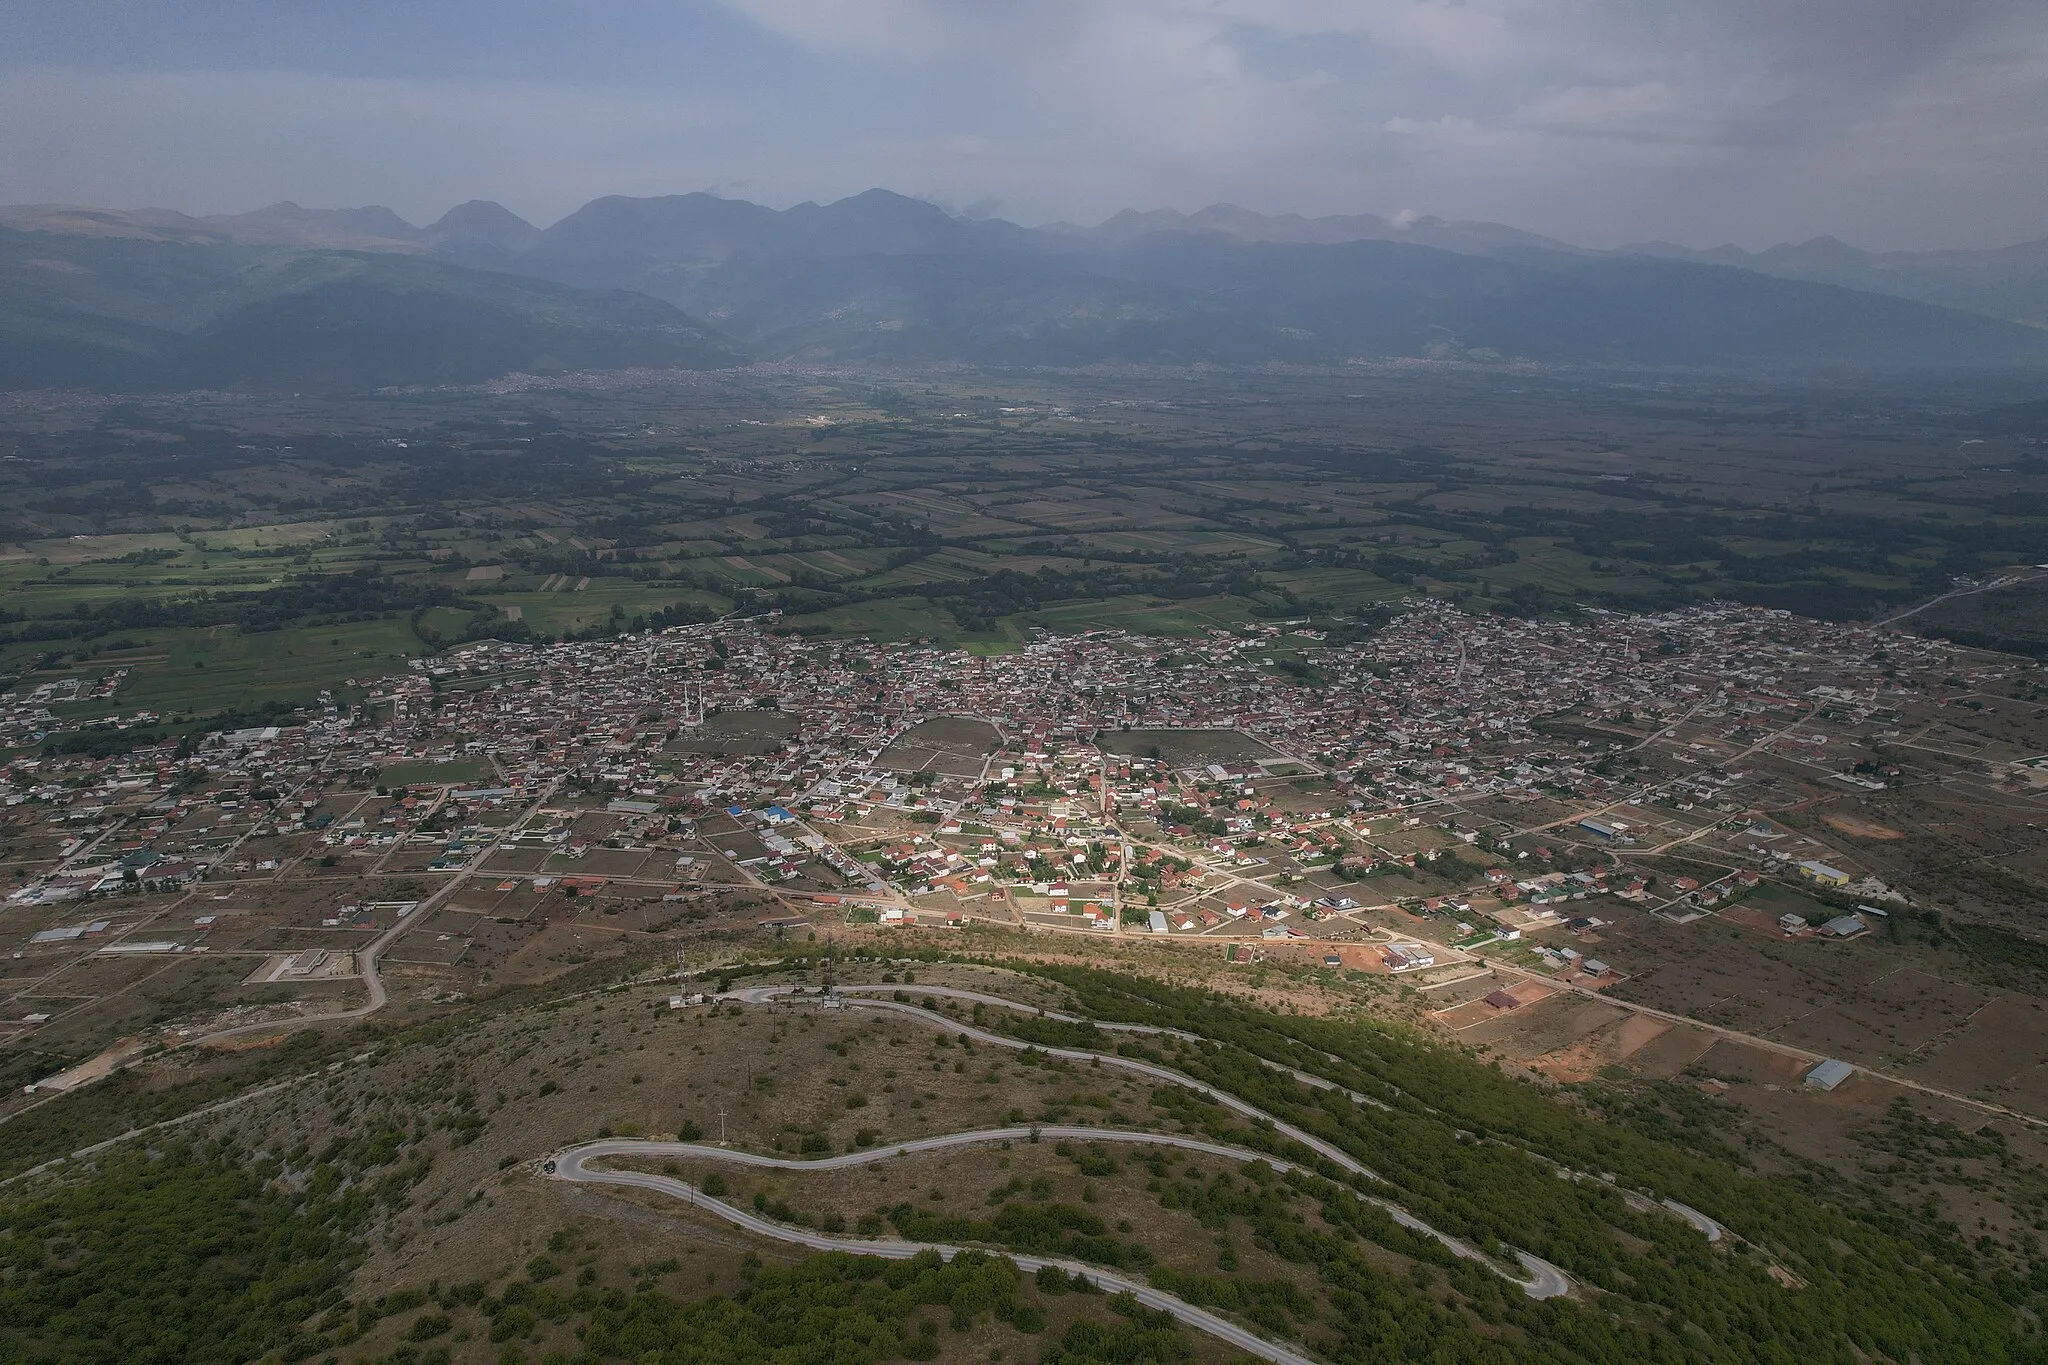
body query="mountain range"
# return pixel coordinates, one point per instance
(2007, 282)
(348, 298)
(124, 312)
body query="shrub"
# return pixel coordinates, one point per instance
(428, 1326)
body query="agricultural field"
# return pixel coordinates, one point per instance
(235, 553)
(449, 991)
(453, 771)
(2013, 619)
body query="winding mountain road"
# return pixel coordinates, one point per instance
(1307, 1078)
(1710, 1229)
(1545, 1280)
(1019, 1007)
(648, 1147)
(572, 1166)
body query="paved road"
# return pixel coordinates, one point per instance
(570, 1166)
(1545, 1281)
(1773, 1045)
(41, 985)
(1305, 1077)
(765, 995)
(978, 997)
(366, 958)
(1713, 1230)
(589, 1151)
(1994, 585)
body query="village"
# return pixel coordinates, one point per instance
(1452, 798)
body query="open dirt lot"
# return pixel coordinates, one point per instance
(1861, 999)
(951, 745)
(1187, 748)
(2000, 1051)
(737, 732)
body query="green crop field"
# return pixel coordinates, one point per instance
(198, 671)
(251, 569)
(435, 774)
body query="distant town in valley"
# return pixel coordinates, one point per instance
(663, 824)
(1125, 682)
(1476, 801)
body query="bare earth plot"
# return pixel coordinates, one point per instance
(737, 732)
(2001, 1050)
(955, 745)
(1184, 748)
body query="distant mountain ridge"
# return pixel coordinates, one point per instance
(882, 278)
(2004, 282)
(1245, 225)
(609, 238)
(893, 223)
(286, 224)
(480, 233)
(280, 224)
(166, 311)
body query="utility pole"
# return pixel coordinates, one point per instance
(721, 1127)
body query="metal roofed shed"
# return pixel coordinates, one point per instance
(1829, 1074)
(1822, 873)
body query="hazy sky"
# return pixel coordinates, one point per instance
(1891, 123)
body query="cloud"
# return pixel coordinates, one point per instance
(1338, 105)
(1889, 122)
(898, 29)
(213, 141)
